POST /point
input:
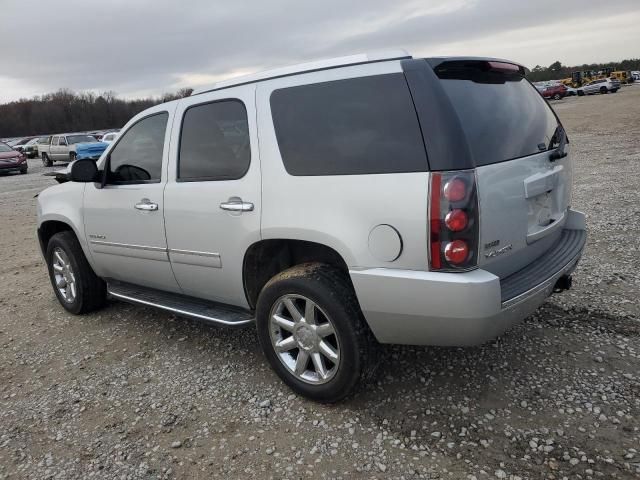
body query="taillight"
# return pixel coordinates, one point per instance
(453, 221)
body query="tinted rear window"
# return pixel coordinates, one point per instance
(503, 116)
(356, 126)
(214, 142)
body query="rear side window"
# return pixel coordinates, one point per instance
(503, 116)
(214, 142)
(356, 126)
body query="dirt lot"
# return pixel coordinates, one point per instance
(133, 393)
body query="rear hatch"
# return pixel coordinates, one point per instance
(516, 144)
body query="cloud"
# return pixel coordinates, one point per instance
(140, 47)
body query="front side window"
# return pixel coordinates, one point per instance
(358, 126)
(214, 142)
(137, 158)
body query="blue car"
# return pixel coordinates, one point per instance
(91, 151)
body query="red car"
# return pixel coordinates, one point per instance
(11, 160)
(555, 91)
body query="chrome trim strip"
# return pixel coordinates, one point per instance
(193, 252)
(179, 311)
(127, 245)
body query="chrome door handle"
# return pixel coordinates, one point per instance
(147, 205)
(237, 206)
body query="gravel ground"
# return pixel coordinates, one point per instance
(134, 393)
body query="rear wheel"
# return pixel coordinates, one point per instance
(46, 161)
(78, 288)
(604, 90)
(312, 332)
(72, 156)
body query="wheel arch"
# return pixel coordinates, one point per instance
(49, 228)
(267, 258)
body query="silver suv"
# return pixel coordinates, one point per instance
(603, 85)
(336, 204)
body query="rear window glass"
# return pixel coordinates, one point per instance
(214, 143)
(356, 126)
(503, 116)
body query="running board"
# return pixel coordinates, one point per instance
(204, 310)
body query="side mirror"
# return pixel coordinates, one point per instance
(84, 171)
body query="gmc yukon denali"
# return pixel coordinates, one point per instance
(336, 205)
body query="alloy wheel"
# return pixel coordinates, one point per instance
(63, 275)
(304, 339)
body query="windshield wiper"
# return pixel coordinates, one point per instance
(560, 136)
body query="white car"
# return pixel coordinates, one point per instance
(109, 137)
(604, 85)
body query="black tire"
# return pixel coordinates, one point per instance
(72, 156)
(604, 90)
(46, 161)
(91, 291)
(330, 289)
(557, 96)
(23, 171)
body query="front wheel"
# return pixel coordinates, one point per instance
(557, 96)
(604, 90)
(312, 332)
(78, 288)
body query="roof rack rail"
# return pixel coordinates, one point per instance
(306, 67)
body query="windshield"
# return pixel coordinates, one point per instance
(73, 139)
(503, 116)
(5, 148)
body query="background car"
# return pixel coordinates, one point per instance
(555, 92)
(572, 92)
(602, 85)
(30, 149)
(109, 137)
(12, 160)
(90, 151)
(20, 143)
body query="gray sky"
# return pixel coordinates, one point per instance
(148, 47)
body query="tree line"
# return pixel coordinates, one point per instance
(66, 111)
(557, 71)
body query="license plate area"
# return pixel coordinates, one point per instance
(545, 204)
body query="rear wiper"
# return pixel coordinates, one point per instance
(559, 136)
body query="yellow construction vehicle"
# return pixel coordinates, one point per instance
(621, 75)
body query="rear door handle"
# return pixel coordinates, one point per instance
(147, 205)
(237, 206)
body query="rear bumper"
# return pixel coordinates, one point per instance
(457, 309)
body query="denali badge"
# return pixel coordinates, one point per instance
(97, 237)
(499, 251)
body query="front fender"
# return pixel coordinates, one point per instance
(64, 203)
